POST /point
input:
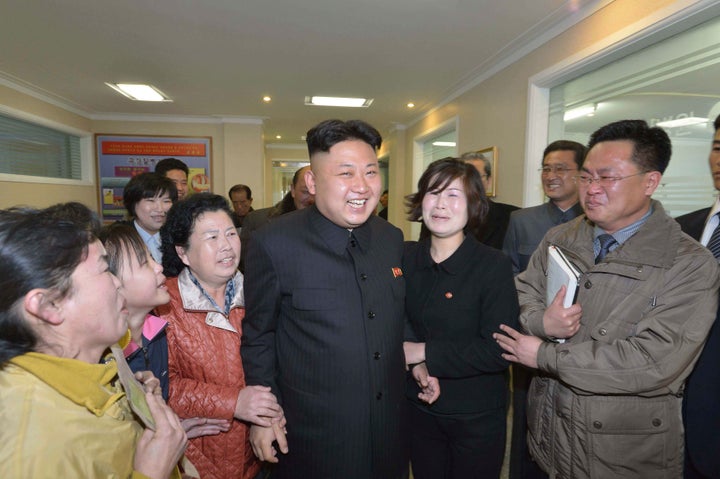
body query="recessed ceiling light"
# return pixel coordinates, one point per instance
(411, 105)
(691, 120)
(267, 99)
(338, 101)
(139, 92)
(278, 137)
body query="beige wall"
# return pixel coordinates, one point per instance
(494, 112)
(237, 151)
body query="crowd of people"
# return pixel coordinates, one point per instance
(334, 349)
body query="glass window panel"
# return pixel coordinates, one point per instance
(34, 150)
(670, 80)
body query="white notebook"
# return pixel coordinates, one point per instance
(560, 272)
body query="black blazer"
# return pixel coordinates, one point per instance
(693, 223)
(701, 403)
(324, 329)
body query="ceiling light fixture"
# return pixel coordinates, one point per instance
(443, 143)
(688, 121)
(338, 101)
(584, 110)
(411, 105)
(267, 99)
(278, 137)
(139, 92)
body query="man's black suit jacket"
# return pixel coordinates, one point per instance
(702, 391)
(324, 328)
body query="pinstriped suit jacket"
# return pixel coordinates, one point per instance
(324, 328)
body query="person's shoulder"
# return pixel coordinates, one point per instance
(382, 227)
(529, 212)
(701, 213)
(293, 223)
(504, 207)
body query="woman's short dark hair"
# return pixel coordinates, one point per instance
(147, 185)
(179, 226)
(38, 249)
(121, 240)
(438, 176)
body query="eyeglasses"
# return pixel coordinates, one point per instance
(558, 170)
(603, 181)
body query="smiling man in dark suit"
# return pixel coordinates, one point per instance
(324, 323)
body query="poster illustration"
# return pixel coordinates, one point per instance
(120, 157)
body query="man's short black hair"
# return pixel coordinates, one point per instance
(567, 145)
(236, 188)
(168, 164)
(717, 123)
(147, 185)
(323, 136)
(652, 147)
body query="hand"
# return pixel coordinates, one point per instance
(414, 352)
(429, 386)
(204, 426)
(150, 383)
(256, 404)
(157, 452)
(560, 322)
(261, 440)
(520, 348)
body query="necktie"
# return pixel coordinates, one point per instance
(714, 243)
(606, 242)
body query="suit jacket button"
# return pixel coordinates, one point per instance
(588, 284)
(602, 331)
(376, 355)
(597, 424)
(371, 315)
(363, 276)
(378, 396)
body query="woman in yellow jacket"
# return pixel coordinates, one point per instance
(63, 411)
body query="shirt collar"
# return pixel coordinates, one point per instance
(151, 327)
(623, 234)
(457, 261)
(336, 237)
(144, 234)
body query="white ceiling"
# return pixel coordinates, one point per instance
(217, 58)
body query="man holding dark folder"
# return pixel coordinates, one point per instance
(606, 401)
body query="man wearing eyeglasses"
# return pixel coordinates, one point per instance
(561, 160)
(606, 402)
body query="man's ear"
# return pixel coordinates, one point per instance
(310, 181)
(39, 303)
(182, 254)
(652, 181)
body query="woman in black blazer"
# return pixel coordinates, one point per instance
(458, 292)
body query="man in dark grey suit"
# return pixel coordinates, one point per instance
(324, 322)
(701, 403)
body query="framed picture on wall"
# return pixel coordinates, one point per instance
(120, 157)
(491, 154)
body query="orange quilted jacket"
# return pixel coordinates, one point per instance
(206, 375)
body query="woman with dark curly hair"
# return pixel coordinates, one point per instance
(459, 291)
(201, 251)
